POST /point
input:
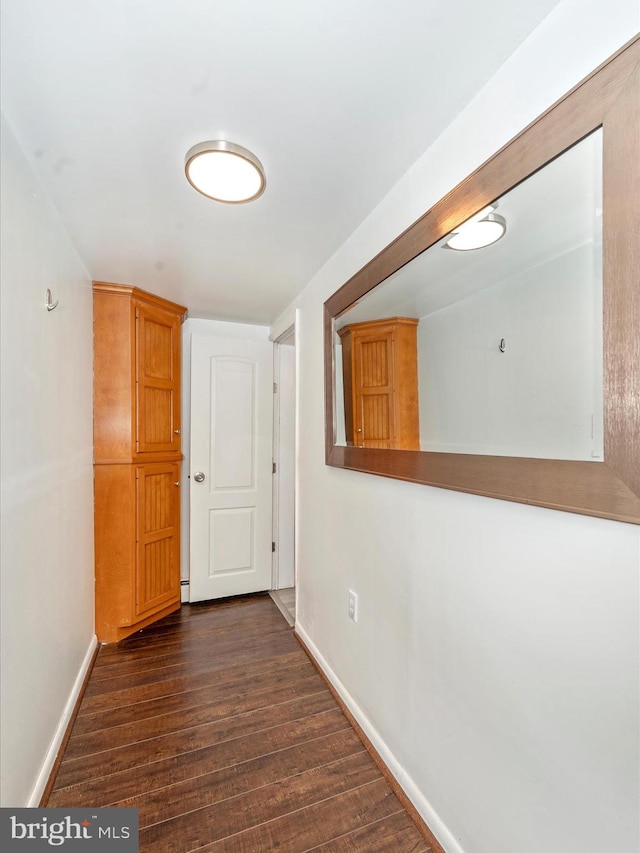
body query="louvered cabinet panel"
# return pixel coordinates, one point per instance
(373, 389)
(157, 534)
(372, 362)
(376, 420)
(157, 381)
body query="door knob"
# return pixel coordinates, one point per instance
(198, 477)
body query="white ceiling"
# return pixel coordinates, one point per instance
(553, 212)
(337, 98)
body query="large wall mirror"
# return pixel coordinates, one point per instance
(494, 347)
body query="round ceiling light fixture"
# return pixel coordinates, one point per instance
(224, 171)
(483, 229)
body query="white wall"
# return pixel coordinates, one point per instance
(542, 396)
(495, 660)
(47, 479)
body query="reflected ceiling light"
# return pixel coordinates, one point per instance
(481, 230)
(225, 172)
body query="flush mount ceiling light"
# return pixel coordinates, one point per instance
(225, 172)
(483, 229)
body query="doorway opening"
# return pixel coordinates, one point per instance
(283, 574)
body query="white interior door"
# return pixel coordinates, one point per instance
(231, 466)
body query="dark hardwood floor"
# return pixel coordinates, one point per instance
(218, 728)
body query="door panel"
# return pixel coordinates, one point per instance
(376, 428)
(232, 535)
(157, 528)
(157, 381)
(373, 393)
(231, 445)
(233, 391)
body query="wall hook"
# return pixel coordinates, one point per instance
(502, 346)
(51, 305)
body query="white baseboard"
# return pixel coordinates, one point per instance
(446, 838)
(52, 752)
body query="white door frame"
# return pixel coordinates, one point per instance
(285, 338)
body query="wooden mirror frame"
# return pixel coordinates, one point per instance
(607, 98)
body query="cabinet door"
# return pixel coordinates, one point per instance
(373, 417)
(157, 536)
(157, 381)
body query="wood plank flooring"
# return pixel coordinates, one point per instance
(217, 727)
(285, 601)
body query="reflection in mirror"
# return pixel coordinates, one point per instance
(494, 351)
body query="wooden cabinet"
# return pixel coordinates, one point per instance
(380, 374)
(137, 453)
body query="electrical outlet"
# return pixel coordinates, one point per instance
(353, 606)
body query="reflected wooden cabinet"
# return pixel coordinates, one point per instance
(380, 375)
(137, 453)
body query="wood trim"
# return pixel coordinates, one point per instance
(608, 98)
(141, 295)
(142, 458)
(622, 290)
(377, 324)
(44, 799)
(375, 755)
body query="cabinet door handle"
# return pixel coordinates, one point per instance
(177, 484)
(177, 431)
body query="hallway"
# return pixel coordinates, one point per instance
(217, 727)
